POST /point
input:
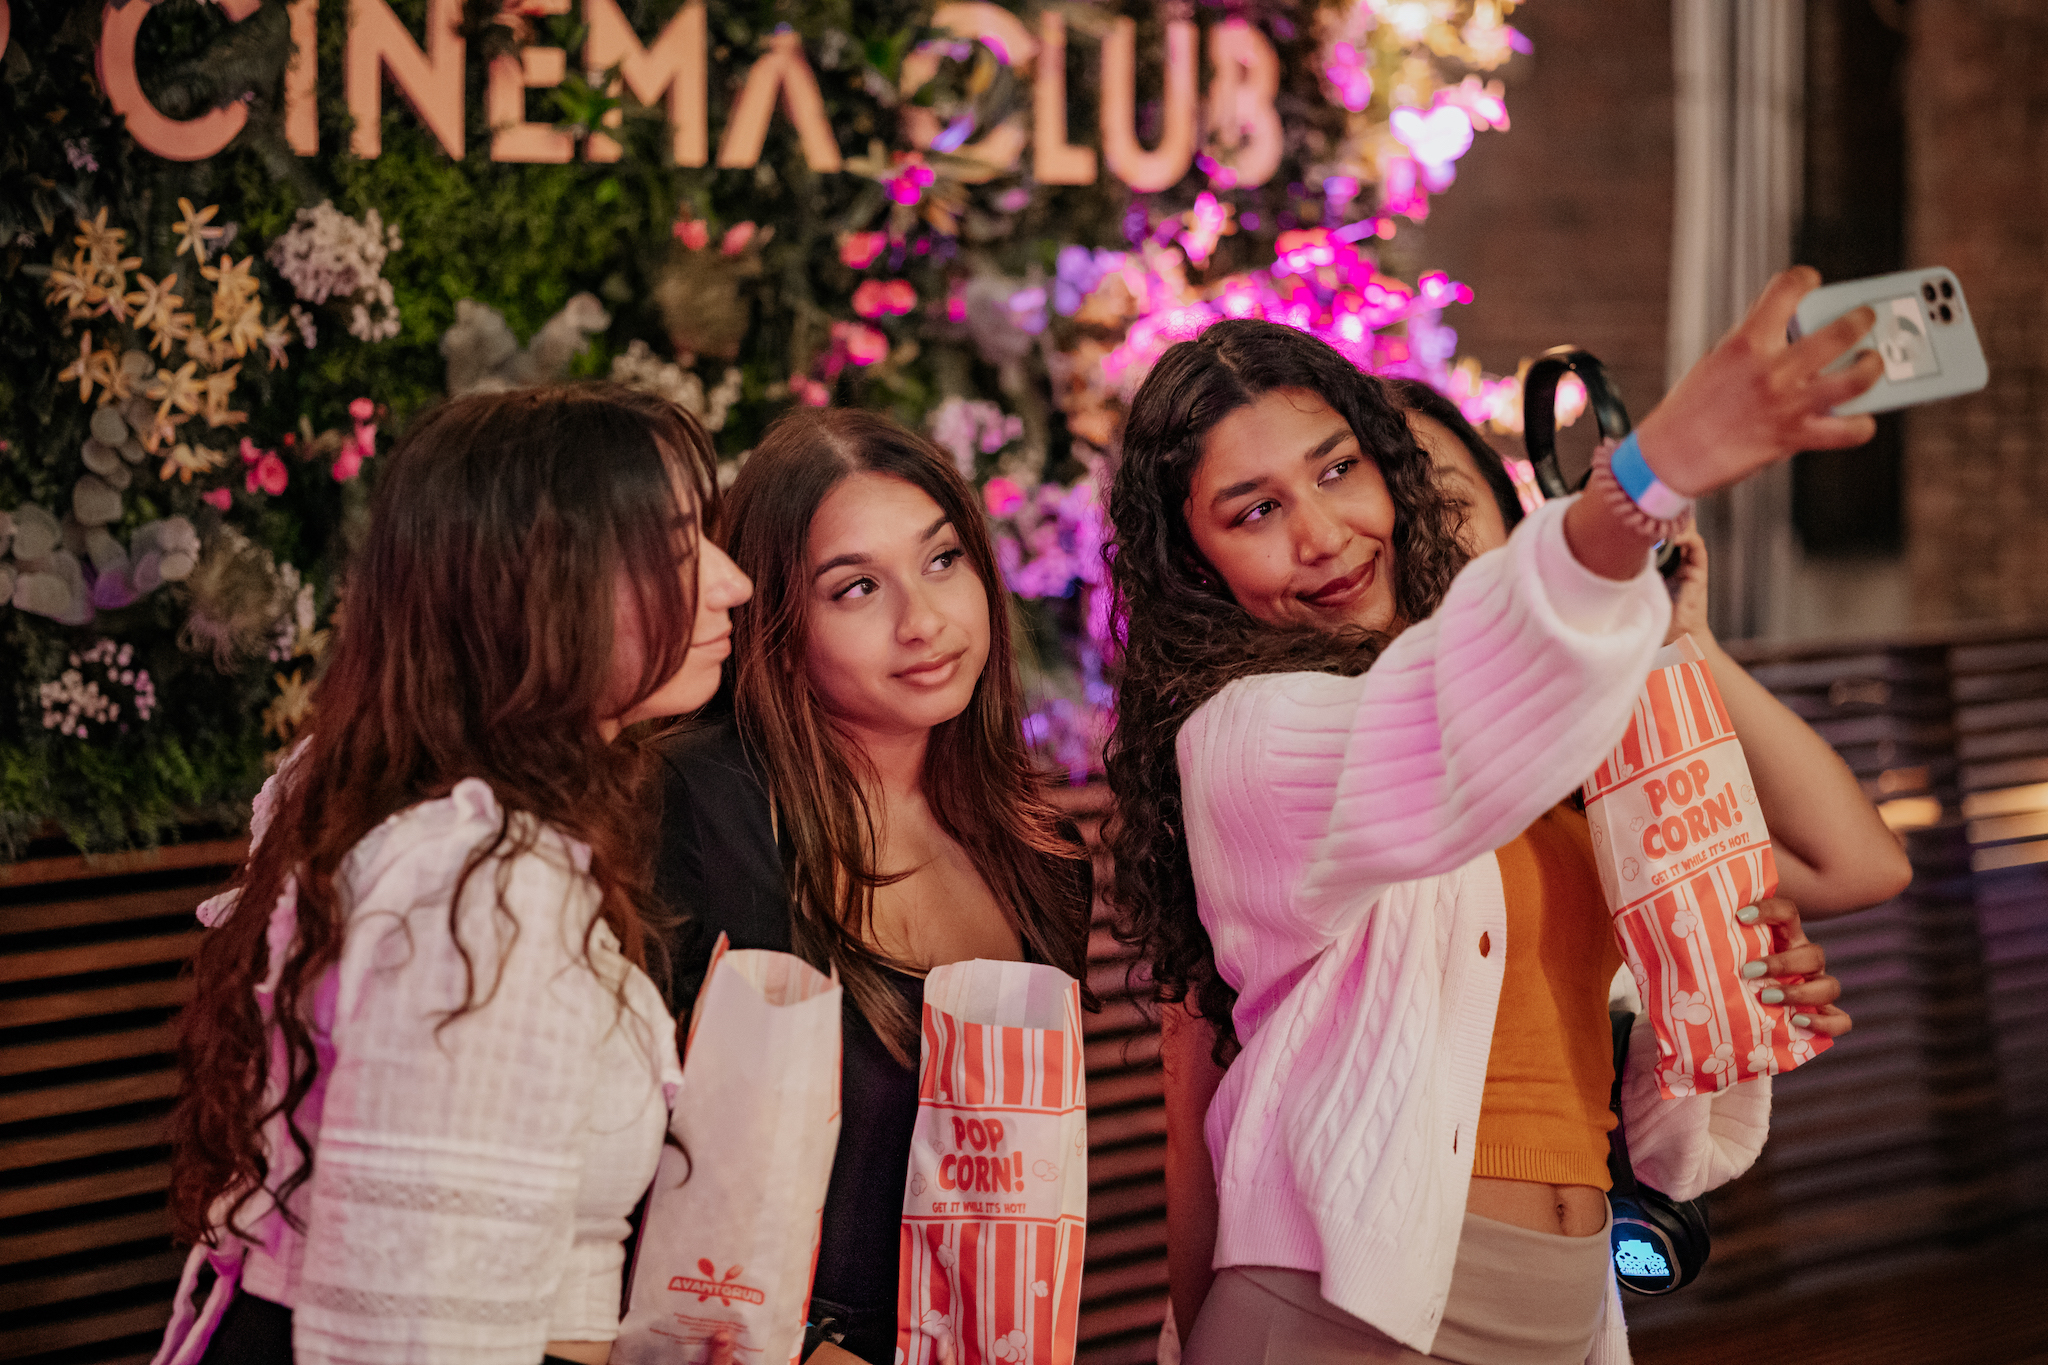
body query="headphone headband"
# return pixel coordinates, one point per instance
(1539, 409)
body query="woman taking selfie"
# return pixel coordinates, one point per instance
(869, 804)
(425, 1075)
(1325, 730)
(1833, 854)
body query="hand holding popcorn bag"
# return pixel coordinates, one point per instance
(1681, 846)
(730, 1240)
(995, 1204)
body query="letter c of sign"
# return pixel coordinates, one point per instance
(1650, 840)
(175, 139)
(946, 1181)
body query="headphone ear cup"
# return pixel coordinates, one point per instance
(1659, 1245)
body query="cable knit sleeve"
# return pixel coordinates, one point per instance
(443, 1200)
(1685, 1147)
(1472, 724)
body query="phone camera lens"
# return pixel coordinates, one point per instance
(1948, 290)
(1944, 314)
(1927, 292)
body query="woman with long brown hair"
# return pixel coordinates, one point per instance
(425, 1071)
(869, 803)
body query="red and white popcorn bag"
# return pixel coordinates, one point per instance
(1681, 846)
(730, 1239)
(995, 1204)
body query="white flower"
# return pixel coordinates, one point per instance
(1723, 1059)
(328, 255)
(1012, 1345)
(1760, 1058)
(1684, 923)
(1677, 1082)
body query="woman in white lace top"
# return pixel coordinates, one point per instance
(426, 1074)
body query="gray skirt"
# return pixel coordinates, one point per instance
(1517, 1297)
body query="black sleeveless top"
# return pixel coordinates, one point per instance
(720, 867)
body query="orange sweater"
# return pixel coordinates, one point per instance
(1543, 1115)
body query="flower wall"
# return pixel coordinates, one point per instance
(200, 360)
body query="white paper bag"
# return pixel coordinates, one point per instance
(731, 1235)
(995, 1208)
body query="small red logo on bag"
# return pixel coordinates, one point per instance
(716, 1286)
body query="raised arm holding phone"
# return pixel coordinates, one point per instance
(1326, 731)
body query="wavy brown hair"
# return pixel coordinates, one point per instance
(979, 779)
(478, 643)
(1184, 637)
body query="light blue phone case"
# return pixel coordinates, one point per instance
(1925, 357)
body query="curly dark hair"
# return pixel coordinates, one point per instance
(1184, 637)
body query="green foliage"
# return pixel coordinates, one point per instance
(522, 239)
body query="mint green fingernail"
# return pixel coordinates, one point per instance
(1772, 996)
(1752, 970)
(1749, 914)
(1803, 1020)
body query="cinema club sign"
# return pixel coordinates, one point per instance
(670, 71)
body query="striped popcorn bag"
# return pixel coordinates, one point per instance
(995, 1203)
(1681, 846)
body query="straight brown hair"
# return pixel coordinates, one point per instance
(979, 779)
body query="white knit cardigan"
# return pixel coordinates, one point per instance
(1341, 834)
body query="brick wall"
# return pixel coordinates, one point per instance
(1977, 467)
(1562, 225)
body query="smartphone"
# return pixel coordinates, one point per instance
(1923, 333)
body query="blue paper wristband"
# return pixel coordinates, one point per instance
(1642, 485)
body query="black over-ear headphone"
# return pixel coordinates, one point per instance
(1539, 410)
(1659, 1244)
(1539, 420)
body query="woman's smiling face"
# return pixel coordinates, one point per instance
(1294, 515)
(899, 621)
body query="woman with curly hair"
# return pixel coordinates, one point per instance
(425, 1072)
(1325, 729)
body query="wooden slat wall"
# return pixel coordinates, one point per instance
(90, 962)
(1925, 1131)
(1123, 1291)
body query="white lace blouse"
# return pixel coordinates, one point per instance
(471, 1177)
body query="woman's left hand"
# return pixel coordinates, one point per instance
(1688, 588)
(1797, 973)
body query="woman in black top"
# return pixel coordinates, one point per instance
(868, 802)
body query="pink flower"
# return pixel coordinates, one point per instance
(877, 298)
(858, 250)
(907, 186)
(692, 233)
(218, 497)
(809, 392)
(348, 464)
(864, 345)
(267, 474)
(362, 409)
(1002, 496)
(736, 238)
